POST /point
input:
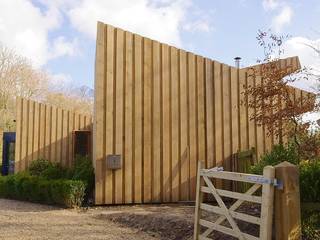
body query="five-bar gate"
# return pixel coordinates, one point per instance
(205, 184)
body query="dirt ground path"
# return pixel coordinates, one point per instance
(27, 221)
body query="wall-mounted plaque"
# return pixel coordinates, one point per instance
(114, 162)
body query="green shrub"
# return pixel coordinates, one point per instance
(310, 181)
(84, 171)
(44, 168)
(278, 154)
(310, 225)
(22, 186)
(37, 167)
(55, 171)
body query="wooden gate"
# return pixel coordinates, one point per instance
(205, 184)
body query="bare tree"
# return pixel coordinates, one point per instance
(272, 101)
(17, 78)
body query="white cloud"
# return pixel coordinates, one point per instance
(62, 47)
(270, 4)
(24, 27)
(60, 81)
(300, 46)
(282, 19)
(282, 13)
(160, 20)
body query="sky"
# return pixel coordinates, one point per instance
(58, 36)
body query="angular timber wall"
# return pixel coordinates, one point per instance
(163, 109)
(46, 132)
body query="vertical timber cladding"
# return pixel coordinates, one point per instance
(46, 132)
(163, 109)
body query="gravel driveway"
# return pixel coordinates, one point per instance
(22, 220)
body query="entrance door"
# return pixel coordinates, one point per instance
(82, 143)
(8, 152)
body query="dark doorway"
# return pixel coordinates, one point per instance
(82, 143)
(8, 152)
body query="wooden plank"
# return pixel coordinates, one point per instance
(235, 195)
(24, 138)
(128, 119)
(119, 114)
(30, 133)
(201, 87)
(70, 142)
(36, 131)
(267, 205)
(138, 116)
(65, 144)
(81, 121)
(234, 176)
(244, 144)
(227, 127)
(234, 83)
(236, 215)
(59, 136)
(184, 130)
(175, 124)
(109, 118)
(166, 104)
(199, 195)
(223, 229)
(18, 147)
(77, 121)
(147, 120)
(251, 112)
(53, 136)
(218, 113)
(210, 114)
(42, 131)
(260, 140)
(192, 111)
(48, 133)
(156, 124)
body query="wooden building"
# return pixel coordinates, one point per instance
(163, 109)
(158, 110)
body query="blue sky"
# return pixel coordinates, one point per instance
(59, 35)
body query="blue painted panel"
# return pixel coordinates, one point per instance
(9, 139)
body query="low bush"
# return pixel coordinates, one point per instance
(22, 186)
(310, 225)
(278, 154)
(309, 184)
(37, 167)
(84, 171)
(44, 168)
(310, 181)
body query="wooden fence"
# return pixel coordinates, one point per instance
(46, 132)
(205, 185)
(162, 109)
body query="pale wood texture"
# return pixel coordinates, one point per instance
(267, 205)
(44, 131)
(287, 203)
(163, 109)
(230, 214)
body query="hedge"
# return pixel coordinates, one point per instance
(22, 186)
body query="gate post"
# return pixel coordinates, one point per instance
(287, 203)
(267, 204)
